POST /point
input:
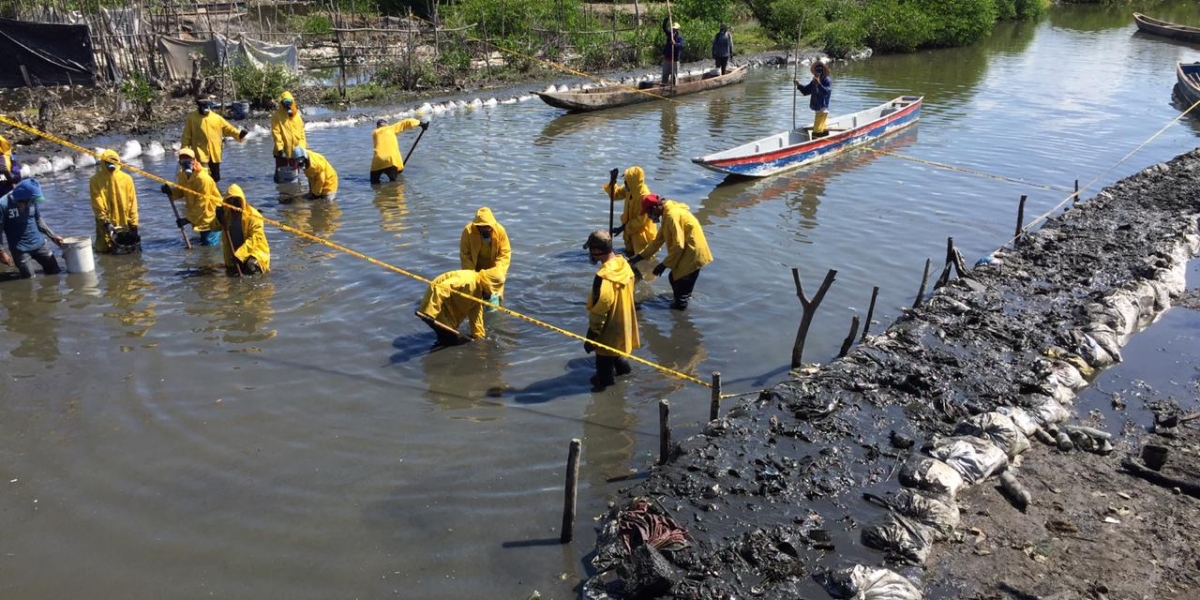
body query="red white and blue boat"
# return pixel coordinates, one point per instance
(796, 148)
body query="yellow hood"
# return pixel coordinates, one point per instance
(484, 216)
(617, 270)
(5, 145)
(235, 191)
(112, 157)
(635, 178)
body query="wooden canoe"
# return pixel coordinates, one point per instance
(796, 148)
(613, 96)
(1154, 26)
(1188, 75)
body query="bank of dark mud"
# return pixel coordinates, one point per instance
(770, 495)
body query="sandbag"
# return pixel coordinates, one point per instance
(930, 475)
(1127, 308)
(1047, 411)
(1020, 418)
(900, 538)
(973, 458)
(1066, 375)
(940, 517)
(996, 428)
(1106, 338)
(865, 583)
(1093, 352)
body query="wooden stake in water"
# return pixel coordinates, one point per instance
(1020, 218)
(870, 313)
(714, 408)
(924, 282)
(664, 431)
(572, 491)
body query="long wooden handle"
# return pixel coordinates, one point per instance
(612, 190)
(175, 210)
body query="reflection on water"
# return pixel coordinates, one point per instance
(310, 396)
(30, 316)
(131, 295)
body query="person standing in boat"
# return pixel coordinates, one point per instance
(672, 51)
(821, 89)
(722, 48)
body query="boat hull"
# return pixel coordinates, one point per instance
(1188, 75)
(1167, 29)
(601, 98)
(793, 149)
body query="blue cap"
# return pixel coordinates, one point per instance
(26, 190)
(298, 152)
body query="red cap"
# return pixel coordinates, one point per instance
(650, 200)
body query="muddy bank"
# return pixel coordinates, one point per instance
(771, 494)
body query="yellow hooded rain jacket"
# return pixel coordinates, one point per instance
(611, 314)
(387, 149)
(204, 132)
(639, 229)
(202, 201)
(687, 250)
(322, 178)
(443, 302)
(114, 199)
(288, 130)
(5, 153)
(474, 255)
(254, 235)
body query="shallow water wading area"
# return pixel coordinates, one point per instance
(169, 432)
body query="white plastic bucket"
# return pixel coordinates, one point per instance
(78, 252)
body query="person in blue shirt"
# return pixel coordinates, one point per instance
(22, 226)
(672, 51)
(821, 89)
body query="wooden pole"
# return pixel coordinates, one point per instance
(1075, 196)
(1020, 218)
(870, 313)
(849, 341)
(950, 263)
(796, 71)
(571, 492)
(924, 281)
(664, 431)
(810, 308)
(714, 407)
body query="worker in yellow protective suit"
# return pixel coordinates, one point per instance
(322, 178)
(637, 230)
(204, 129)
(687, 250)
(197, 189)
(448, 302)
(387, 159)
(287, 129)
(612, 318)
(10, 172)
(245, 249)
(114, 203)
(484, 245)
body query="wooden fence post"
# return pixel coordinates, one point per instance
(810, 308)
(572, 491)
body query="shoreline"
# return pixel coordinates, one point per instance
(769, 493)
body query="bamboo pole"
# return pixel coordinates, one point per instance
(571, 492)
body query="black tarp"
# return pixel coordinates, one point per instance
(52, 54)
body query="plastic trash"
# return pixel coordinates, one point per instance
(940, 517)
(900, 538)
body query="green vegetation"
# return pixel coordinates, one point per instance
(842, 26)
(138, 90)
(261, 86)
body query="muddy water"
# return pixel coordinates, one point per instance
(169, 432)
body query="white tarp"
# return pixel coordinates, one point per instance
(178, 53)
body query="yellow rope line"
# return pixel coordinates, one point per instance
(28, 129)
(971, 171)
(559, 66)
(1047, 214)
